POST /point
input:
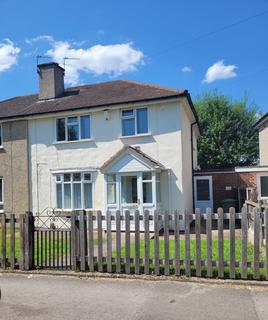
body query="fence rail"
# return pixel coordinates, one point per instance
(208, 245)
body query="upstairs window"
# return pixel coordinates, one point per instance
(134, 121)
(1, 136)
(73, 128)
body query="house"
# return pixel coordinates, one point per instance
(105, 146)
(239, 184)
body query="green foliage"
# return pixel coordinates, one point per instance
(228, 138)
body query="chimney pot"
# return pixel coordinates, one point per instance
(51, 81)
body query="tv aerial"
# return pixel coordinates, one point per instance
(68, 58)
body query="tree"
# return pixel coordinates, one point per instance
(228, 137)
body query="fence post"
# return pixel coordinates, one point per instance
(83, 240)
(3, 226)
(29, 241)
(73, 241)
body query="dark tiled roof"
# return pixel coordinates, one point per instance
(87, 96)
(260, 122)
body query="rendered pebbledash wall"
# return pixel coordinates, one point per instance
(164, 144)
(14, 166)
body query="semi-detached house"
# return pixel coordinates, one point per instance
(104, 146)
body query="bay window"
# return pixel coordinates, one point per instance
(74, 190)
(134, 121)
(73, 128)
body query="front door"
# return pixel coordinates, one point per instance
(130, 192)
(203, 191)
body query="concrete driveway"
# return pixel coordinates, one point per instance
(48, 297)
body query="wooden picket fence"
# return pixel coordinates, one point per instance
(83, 248)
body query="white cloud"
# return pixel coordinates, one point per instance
(8, 55)
(40, 38)
(112, 60)
(220, 71)
(186, 69)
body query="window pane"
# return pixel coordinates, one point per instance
(67, 196)
(72, 120)
(129, 189)
(77, 177)
(60, 129)
(202, 190)
(88, 195)
(147, 192)
(85, 127)
(111, 178)
(111, 193)
(158, 192)
(87, 176)
(59, 196)
(58, 177)
(67, 177)
(128, 127)
(73, 132)
(127, 113)
(142, 120)
(147, 176)
(264, 186)
(77, 195)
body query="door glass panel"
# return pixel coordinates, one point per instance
(147, 192)
(202, 190)
(129, 189)
(264, 186)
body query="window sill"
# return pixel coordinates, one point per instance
(75, 141)
(1, 147)
(136, 136)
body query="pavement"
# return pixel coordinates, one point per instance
(61, 297)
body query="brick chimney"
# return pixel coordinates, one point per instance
(51, 80)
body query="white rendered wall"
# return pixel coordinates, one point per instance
(164, 145)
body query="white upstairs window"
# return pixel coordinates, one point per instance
(73, 128)
(134, 121)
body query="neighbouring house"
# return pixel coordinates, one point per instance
(236, 185)
(107, 146)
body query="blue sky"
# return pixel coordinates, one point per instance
(148, 41)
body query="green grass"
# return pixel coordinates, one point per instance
(238, 255)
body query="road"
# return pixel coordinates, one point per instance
(48, 297)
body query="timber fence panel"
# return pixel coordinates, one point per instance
(198, 242)
(127, 241)
(209, 242)
(146, 243)
(109, 241)
(257, 230)
(137, 242)
(220, 244)
(177, 242)
(166, 243)
(187, 244)
(100, 242)
(232, 243)
(156, 243)
(91, 242)
(118, 241)
(12, 241)
(244, 227)
(4, 243)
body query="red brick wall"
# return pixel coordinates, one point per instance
(235, 180)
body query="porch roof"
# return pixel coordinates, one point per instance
(137, 153)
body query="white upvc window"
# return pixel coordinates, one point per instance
(263, 186)
(74, 191)
(1, 135)
(135, 121)
(73, 128)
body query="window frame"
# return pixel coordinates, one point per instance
(135, 117)
(259, 185)
(66, 125)
(72, 182)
